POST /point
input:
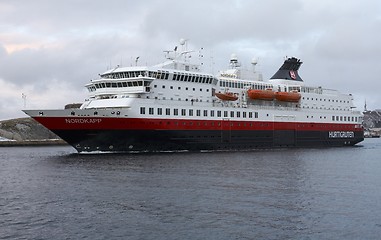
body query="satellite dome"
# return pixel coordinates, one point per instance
(233, 57)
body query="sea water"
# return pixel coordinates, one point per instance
(322, 193)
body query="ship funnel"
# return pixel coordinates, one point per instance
(289, 70)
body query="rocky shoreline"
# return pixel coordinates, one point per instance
(26, 132)
(46, 142)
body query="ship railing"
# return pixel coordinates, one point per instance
(273, 107)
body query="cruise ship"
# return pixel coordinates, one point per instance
(176, 106)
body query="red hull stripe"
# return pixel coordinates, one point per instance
(93, 123)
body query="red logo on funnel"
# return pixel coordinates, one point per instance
(293, 75)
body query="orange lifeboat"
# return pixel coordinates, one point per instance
(288, 96)
(256, 94)
(227, 96)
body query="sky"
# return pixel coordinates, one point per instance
(50, 49)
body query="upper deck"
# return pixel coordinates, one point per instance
(178, 81)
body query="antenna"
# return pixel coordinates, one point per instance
(184, 43)
(24, 99)
(136, 60)
(254, 63)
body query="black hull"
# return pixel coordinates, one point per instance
(193, 140)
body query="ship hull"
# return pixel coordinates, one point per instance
(156, 135)
(198, 140)
(88, 132)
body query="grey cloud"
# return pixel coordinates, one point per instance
(338, 41)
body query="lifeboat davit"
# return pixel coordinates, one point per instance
(257, 94)
(288, 96)
(227, 96)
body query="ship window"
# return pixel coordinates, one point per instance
(167, 111)
(198, 112)
(150, 111)
(124, 84)
(158, 75)
(250, 115)
(108, 84)
(205, 113)
(212, 113)
(171, 87)
(333, 118)
(218, 113)
(175, 111)
(231, 113)
(225, 113)
(140, 83)
(190, 112)
(119, 84)
(183, 112)
(159, 111)
(163, 86)
(244, 114)
(256, 114)
(238, 114)
(142, 110)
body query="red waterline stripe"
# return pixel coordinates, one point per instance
(87, 123)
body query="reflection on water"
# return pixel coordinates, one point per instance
(52, 192)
